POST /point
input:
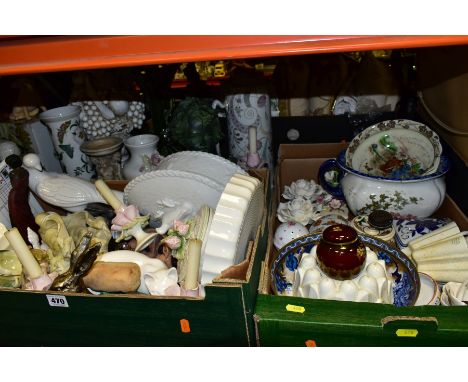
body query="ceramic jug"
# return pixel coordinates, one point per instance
(245, 111)
(67, 136)
(144, 156)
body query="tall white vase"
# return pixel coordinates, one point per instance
(67, 136)
(144, 155)
(245, 111)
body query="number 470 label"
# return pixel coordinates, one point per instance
(55, 300)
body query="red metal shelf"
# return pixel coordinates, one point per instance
(33, 54)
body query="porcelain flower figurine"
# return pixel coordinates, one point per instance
(301, 189)
(298, 210)
(177, 237)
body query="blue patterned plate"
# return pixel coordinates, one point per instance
(406, 279)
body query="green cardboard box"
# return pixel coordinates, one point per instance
(296, 321)
(223, 318)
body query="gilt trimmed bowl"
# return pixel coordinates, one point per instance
(414, 197)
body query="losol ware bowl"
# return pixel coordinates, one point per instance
(415, 197)
(396, 148)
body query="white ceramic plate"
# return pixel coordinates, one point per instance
(198, 162)
(177, 194)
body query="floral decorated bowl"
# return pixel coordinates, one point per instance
(405, 283)
(396, 149)
(414, 197)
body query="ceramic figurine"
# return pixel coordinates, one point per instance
(55, 234)
(67, 192)
(156, 278)
(79, 223)
(21, 216)
(340, 253)
(127, 222)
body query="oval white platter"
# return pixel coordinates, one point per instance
(164, 191)
(212, 166)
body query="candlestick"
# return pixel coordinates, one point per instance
(27, 259)
(193, 263)
(252, 140)
(108, 195)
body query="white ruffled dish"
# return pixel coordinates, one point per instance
(212, 166)
(172, 195)
(234, 223)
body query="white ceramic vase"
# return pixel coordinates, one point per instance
(144, 156)
(67, 136)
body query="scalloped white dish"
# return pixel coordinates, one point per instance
(234, 223)
(212, 166)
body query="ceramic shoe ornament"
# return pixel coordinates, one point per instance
(68, 192)
(127, 222)
(288, 231)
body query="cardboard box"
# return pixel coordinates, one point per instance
(337, 323)
(223, 318)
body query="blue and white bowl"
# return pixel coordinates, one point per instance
(406, 282)
(410, 198)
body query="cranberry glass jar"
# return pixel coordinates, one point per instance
(340, 253)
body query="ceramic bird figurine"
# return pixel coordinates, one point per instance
(61, 190)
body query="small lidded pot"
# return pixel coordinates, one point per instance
(341, 255)
(378, 223)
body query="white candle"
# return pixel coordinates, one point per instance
(107, 194)
(27, 259)
(193, 263)
(252, 140)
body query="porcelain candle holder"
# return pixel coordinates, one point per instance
(67, 137)
(144, 156)
(127, 221)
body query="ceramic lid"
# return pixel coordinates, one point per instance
(380, 219)
(339, 234)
